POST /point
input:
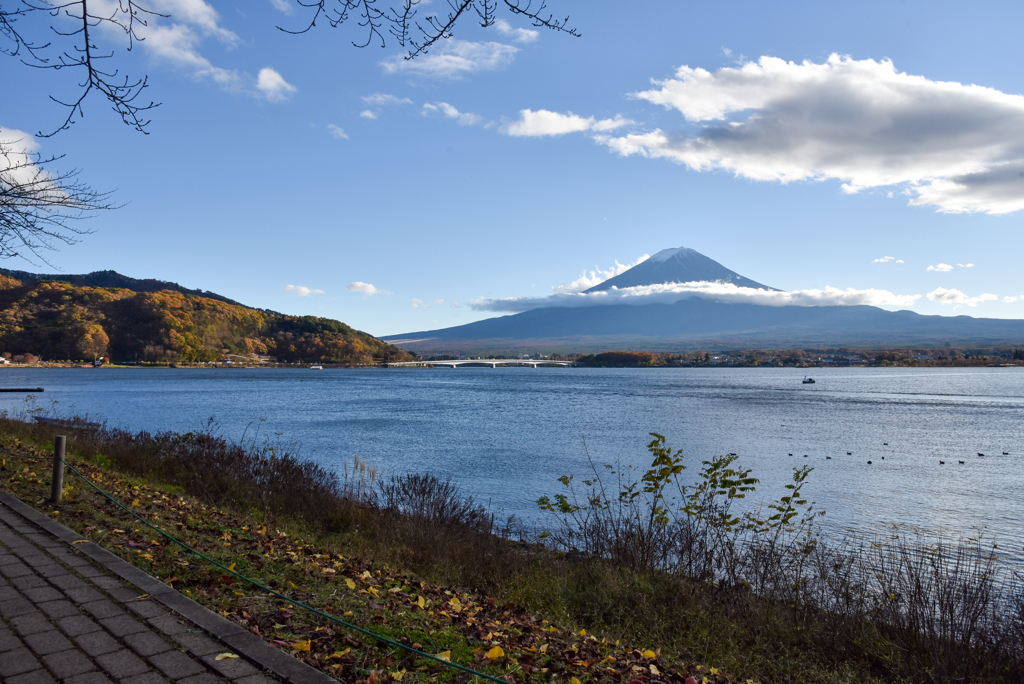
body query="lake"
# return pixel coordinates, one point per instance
(505, 435)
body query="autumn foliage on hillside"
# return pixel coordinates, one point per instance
(58, 320)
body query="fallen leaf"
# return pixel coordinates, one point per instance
(397, 676)
(340, 654)
(225, 656)
(654, 671)
(421, 602)
(574, 681)
(349, 583)
(495, 653)
(648, 654)
(446, 656)
(544, 648)
(301, 645)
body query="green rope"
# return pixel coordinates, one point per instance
(267, 589)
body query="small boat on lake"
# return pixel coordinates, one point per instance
(808, 381)
(316, 367)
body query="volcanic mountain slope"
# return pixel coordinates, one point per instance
(694, 322)
(680, 265)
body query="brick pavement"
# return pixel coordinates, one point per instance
(77, 614)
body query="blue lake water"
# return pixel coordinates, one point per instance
(505, 435)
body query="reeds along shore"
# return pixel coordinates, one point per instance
(635, 555)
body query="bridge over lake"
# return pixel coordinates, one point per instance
(483, 363)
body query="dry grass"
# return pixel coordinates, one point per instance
(772, 606)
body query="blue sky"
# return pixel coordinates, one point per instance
(805, 145)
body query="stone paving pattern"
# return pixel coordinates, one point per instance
(76, 614)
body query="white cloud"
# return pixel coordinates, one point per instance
(464, 118)
(439, 302)
(519, 35)
(887, 260)
(385, 100)
(337, 131)
(366, 289)
(282, 6)
(667, 293)
(177, 39)
(544, 122)
(595, 277)
(944, 296)
(453, 59)
(966, 265)
(368, 114)
(19, 160)
(419, 304)
(301, 290)
(1009, 299)
(273, 86)
(957, 147)
(941, 268)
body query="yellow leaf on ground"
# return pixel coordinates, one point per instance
(373, 590)
(301, 645)
(349, 583)
(544, 648)
(713, 670)
(456, 604)
(366, 574)
(574, 681)
(225, 656)
(293, 585)
(135, 503)
(654, 671)
(446, 656)
(80, 541)
(232, 567)
(421, 602)
(147, 555)
(495, 653)
(583, 632)
(340, 654)
(397, 676)
(649, 654)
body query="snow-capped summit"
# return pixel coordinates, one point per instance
(678, 265)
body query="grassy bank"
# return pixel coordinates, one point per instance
(415, 560)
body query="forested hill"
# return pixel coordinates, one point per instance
(59, 320)
(113, 279)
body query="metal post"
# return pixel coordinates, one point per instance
(57, 483)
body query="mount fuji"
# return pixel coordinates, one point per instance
(602, 318)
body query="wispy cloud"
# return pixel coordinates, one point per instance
(282, 6)
(366, 289)
(273, 86)
(385, 100)
(946, 268)
(447, 110)
(337, 131)
(419, 304)
(1009, 299)
(177, 39)
(301, 290)
(519, 35)
(887, 260)
(668, 293)
(454, 59)
(595, 277)
(368, 114)
(956, 147)
(545, 123)
(944, 296)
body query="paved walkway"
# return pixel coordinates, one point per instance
(77, 614)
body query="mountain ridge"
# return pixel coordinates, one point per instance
(676, 265)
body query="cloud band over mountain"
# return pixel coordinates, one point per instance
(668, 293)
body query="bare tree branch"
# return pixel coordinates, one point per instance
(38, 208)
(400, 19)
(78, 49)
